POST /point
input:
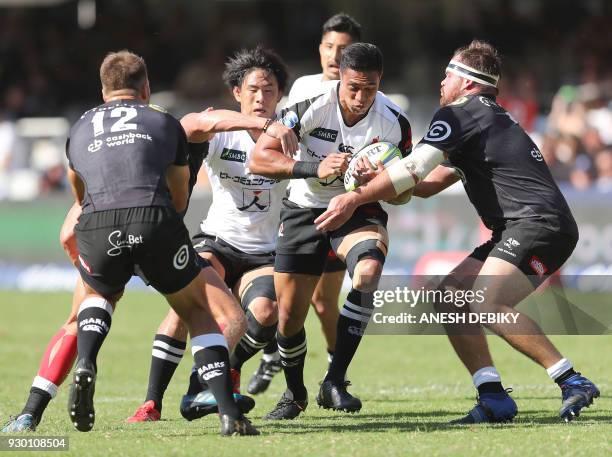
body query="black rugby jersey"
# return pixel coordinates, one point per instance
(503, 172)
(121, 151)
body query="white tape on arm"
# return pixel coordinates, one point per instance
(406, 173)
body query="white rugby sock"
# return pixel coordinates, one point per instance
(559, 368)
(485, 374)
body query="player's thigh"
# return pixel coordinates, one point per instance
(67, 235)
(328, 289)
(221, 301)
(500, 283)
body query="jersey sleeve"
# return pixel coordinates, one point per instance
(68, 153)
(182, 148)
(450, 128)
(299, 117)
(402, 132)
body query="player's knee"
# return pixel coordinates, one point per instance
(259, 330)
(318, 303)
(264, 310)
(365, 262)
(367, 275)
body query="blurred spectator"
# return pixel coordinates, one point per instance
(519, 97)
(603, 165)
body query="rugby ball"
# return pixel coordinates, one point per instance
(387, 153)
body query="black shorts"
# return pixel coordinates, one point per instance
(235, 262)
(301, 248)
(537, 251)
(112, 242)
(333, 264)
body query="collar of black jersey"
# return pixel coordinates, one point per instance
(342, 113)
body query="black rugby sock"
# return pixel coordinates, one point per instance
(195, 385)
(490, 388)
(166, 356)
(292, 352)
(94, 322)
(37, 403)
(256, 338)
(271, 347)
(212, 362)
(352, 323)
(564, 376)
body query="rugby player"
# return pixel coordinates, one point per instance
(338, 32)
(128, 169)
(511, 187)
(347, 117)
(238, 235)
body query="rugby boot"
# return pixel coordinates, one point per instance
(577, 392)
(237, 427)
(80, 399)
(21, 423)
(145, 413)
(260, 381)
(287, 408)
(492, 408)
(333, 395)
(204, 403)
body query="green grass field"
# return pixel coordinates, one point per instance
(411, 386)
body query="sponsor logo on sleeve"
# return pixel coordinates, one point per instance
(536, 154)
(290, 119)
(438, 131)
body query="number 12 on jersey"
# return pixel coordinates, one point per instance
(124, 113)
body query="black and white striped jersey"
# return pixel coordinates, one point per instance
(321, 129)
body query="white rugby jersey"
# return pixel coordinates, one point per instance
(245, 207)
(308, 86)
(319, 125)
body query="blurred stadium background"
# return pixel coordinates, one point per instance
(557, 82)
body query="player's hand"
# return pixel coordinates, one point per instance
(339, 210)
(365, 171)
(67, 235)
(333, 165)
(286, 136)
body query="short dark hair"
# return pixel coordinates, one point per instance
(122, 70)
(247, 60)
(343, 23)
(481, 56)
(362, 57)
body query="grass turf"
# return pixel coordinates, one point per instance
(411, 386)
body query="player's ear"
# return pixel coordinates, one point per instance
(236, 91)
(145, 91)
